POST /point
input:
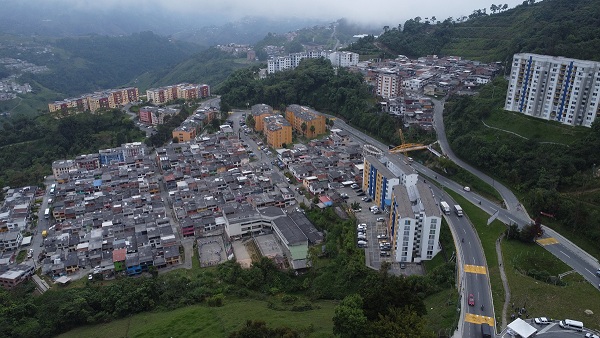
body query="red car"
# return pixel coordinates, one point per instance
(471, 300)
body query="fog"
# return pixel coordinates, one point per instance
(378, 12)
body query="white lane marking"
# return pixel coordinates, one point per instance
(565, 254)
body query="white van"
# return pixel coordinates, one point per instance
(571, 324)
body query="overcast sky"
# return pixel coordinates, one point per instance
(366, 11)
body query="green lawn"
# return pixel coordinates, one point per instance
(203, 321)
(539, 298)
(442, 315)
(534, 128)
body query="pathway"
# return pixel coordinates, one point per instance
(504, 282)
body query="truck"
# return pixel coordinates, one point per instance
(458, 210)
(445, 207)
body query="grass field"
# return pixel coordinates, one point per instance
(442, 315)
(203, 321)
(536, 129)
(539, 298)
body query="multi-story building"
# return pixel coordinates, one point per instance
(186, 91)
(184, 133)
(300, 116)
(343, 59)
(108, 99)
(414, 223)
(63, 166)
(155, 115)
(554, 88)
(388, 85)
(259, 112)
(292, 61)
(278, 131)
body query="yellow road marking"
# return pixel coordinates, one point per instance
(475, 269)
(477, 319)
(547, 241)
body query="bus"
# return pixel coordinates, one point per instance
(47, 213)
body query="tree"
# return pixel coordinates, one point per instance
(259, 329)
(493, 8)
(400, 323)
(303, 127)
(312, 131)
(355, 205)
(250, 121)
(349, 319)
(386, 29)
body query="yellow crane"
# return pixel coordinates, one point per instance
(406, 147)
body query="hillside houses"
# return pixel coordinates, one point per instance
(402, 81)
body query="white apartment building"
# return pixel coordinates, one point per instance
(338, 59)
(343, 59)
(415, 222)
(415, 219)
(413, 84)
(388, 85)
(554, 88)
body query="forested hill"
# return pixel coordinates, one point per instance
(84, 64)
(568, 28)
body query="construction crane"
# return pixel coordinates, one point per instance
(406, 147)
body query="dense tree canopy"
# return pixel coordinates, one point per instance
(28, 146)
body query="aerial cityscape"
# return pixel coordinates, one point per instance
(425, 174)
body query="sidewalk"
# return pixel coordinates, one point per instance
(504, 282)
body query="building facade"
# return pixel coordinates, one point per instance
(278, 131)
(298, 116)
(186, 91)
(108, 99)
(388, 85)
(554, 88)
(415, 220)
(343, 59)
(259, 112)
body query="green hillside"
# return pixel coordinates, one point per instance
(210, 66)
(85, 64)
(568, 28)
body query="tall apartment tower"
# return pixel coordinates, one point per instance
(414, 219)
(554, 88)
(388, 85)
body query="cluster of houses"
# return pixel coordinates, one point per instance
(107, 212)
(401, 82)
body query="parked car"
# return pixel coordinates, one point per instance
(591, 335)
(471, 300)
(541, 321)
(380, 219)
(381, 236)
(354, 186)
(90, 276)
(402, 265)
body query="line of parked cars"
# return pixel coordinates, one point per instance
(361, 235)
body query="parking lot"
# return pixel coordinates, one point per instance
(373, 252)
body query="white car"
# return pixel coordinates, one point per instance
(590, 335)
(541, 321)
(467, 189)
(380, 219)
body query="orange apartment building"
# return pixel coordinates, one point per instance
(277, 130)
(298, 115)
(184, 133)
(259, 112)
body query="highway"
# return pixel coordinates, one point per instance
(559, 246)
(470, 252)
